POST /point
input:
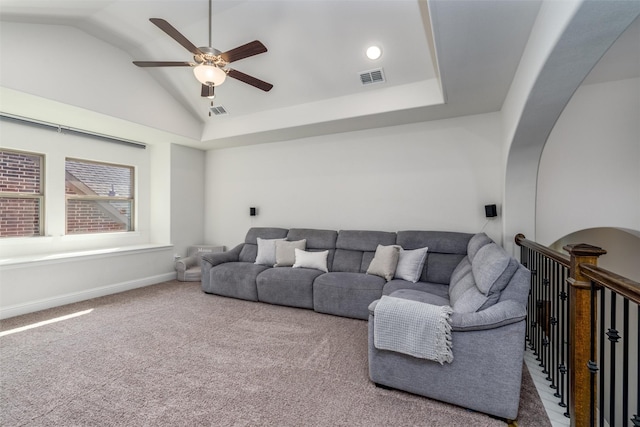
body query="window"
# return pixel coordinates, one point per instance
(99, 197)
(21, 194)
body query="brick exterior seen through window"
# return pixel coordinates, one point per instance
(20, 194)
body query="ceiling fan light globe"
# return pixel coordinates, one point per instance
(209, 74)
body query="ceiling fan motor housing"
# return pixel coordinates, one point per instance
(209, 62)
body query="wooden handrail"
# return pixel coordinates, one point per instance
(558, 257)
(618, 284)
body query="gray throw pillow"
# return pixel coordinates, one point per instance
(384, 261)
(410, 264)
(285, 252)
(266, 251)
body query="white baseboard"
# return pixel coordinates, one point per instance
(30, 307)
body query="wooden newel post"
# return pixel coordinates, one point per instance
(580, 392)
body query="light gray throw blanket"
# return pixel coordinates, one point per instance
(414, 328)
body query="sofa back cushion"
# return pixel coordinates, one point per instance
(493, 268)
(478, 284)
(317, 240)
(446, 250)
(475, 243)
(250, 248)
(355, 249)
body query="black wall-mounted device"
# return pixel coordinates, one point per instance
(490, 211)
(253, 212)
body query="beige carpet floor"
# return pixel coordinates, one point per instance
(171, 355)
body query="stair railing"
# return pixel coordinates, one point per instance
(572, 313)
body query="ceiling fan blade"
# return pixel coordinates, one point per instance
(175, 34)
(250, 80)
(164, 64)
(207, 91)
(250, 49)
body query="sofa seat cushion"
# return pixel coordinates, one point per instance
(287, 286)
(432, 288)
(346, 294)
(235, 279)
(425, 297)
(413, 295)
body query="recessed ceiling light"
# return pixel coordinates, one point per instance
(374, 52)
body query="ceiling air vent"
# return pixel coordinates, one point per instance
(372, 76)
(218, 110)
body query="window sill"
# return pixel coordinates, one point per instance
(86, 254)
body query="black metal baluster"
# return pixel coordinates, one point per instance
(625, 359)
(636, 417)
(525, 262)
(539, 319)
(564, 368)
(613, 337)
(545, 318)
(592, 365)
(536, 290)
(553, 322)
(530, 312)
(601, 340)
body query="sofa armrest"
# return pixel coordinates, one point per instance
(186, 263)
(500, 314)
(213, 259)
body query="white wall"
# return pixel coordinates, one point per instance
(427, 176)
(524, 133)
(50, 282)
(187, 197)
(589, 173)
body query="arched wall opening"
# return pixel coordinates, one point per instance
(622, 246)
(567, 40)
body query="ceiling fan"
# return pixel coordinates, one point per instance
(210, 64)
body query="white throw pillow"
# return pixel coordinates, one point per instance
(267, 251)
(410, 264)
(285, 254)
(384, 261)
(315, 260)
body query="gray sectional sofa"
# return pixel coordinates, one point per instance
(486, 288)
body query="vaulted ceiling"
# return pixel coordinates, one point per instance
(440, 59)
